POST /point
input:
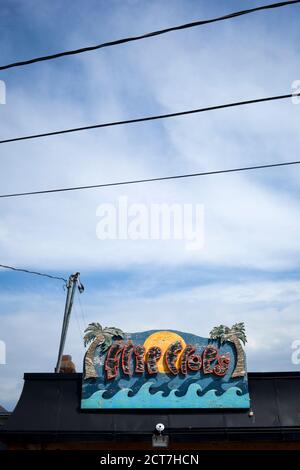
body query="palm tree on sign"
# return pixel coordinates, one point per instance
(236, 334)
(100, 337)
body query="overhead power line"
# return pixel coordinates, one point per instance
(33, 272)
(148, 35)
(150, 118)
(150, 180)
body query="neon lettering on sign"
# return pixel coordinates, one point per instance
(120, 354)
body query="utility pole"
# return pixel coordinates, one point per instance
(72, 283)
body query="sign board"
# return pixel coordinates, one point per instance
(164, 369)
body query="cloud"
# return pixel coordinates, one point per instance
(243, 211)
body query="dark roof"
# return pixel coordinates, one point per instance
(49, 408)
(3, 410)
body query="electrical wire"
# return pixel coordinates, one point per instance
(33, 272)
(152, 118)
(148, 35)
(79, 325)
(82, 311)
(150, 180)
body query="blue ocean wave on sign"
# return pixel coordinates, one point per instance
(194, 398)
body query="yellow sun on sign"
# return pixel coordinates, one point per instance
(163, 339)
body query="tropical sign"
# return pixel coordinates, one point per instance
(164, 369)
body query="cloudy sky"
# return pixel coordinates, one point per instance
(248, 268)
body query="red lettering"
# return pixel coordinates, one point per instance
(194, 362)
(171, 356)
(113, 359)
(222, 366)
(139, 352)
(210, 360)
(189, 349)
(126, 356)
(210, 354)
(153, 355)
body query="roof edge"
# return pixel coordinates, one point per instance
(78, 375)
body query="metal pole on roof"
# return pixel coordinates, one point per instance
(72, 283)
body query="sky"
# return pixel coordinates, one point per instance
(247, 270)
